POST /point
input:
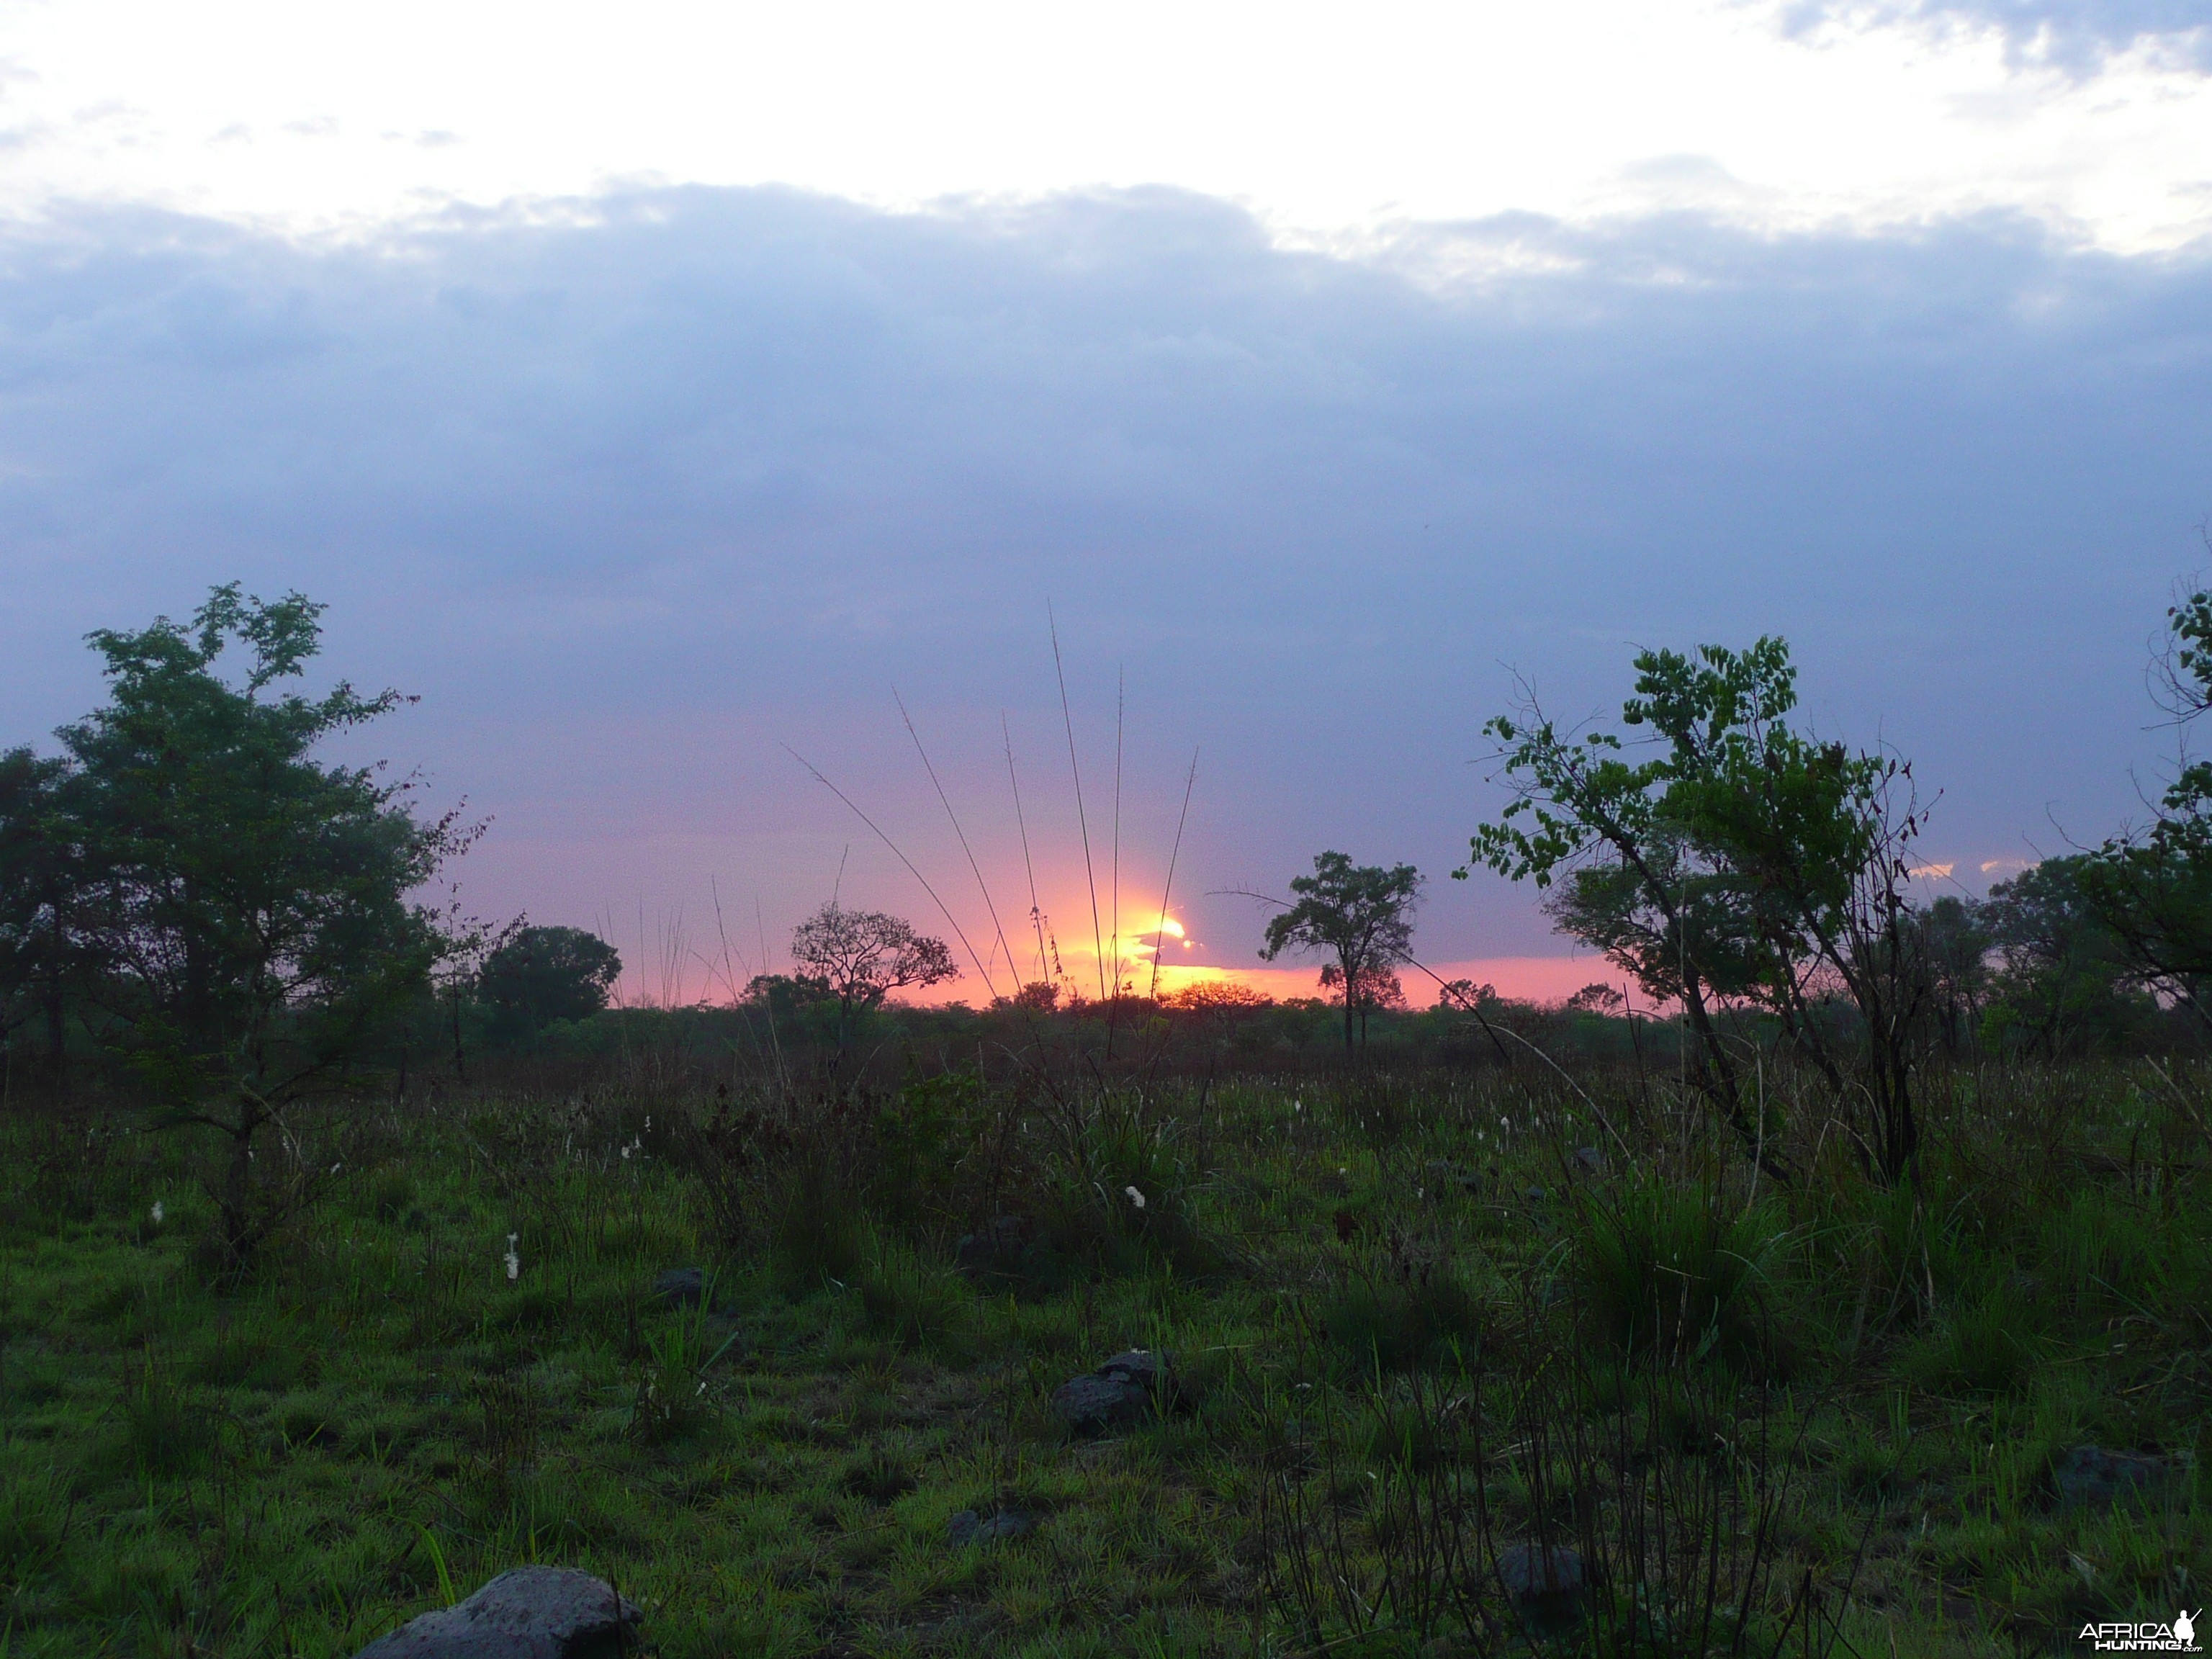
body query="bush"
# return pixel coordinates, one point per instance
(1401, 1317)
(911, 1302)
(1985, 1343)
(1668, 1273)
(165, 1431)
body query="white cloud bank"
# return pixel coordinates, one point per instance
(1327, 122)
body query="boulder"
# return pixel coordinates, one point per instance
(1122, 1391)
(1545, 1585)
(681, 1287)
(969, 1527)
(1147, 1369)
(530, 1613)
(1443, 1173)
(2089, 1477)
(996, 1250)
(1092, 1404)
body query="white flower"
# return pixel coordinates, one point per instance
(157, 1212)
(514, 1261)
(1135, 1197)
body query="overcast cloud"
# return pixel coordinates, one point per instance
(2077, 34)
(632, 492)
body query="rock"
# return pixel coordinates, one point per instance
(1442, 1173)
(997, 1248)
(969, 1527)
(1090, 1404)
(2089, 1477)
(682, 1287)
(1545, 1586)
(1139, 1366)
(1120, 1392)
(530, 1613)
(1533, 1194)
(1590, 1160)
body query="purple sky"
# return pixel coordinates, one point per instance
(635, 499)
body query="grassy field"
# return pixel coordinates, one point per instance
(1415, 1321)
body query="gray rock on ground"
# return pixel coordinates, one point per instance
(1443, 1173)
(682, 1287)
(1119, 1393)
(2089, 1477)
(969, 1527)
(1147, 1369)
(1529, 1572)
(999, 1246)
(1545, 1586)
(1090, 1404)
(529, 1612)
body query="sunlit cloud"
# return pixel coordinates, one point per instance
(2091, 117)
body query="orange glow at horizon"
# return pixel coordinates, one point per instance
(1544, 979)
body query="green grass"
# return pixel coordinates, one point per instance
(1408, 1326)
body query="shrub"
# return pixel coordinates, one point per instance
(911, 1302)
(1667, 1272)
(1985, 1343)
(165, 1433)
(1401, 1317)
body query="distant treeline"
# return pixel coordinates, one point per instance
(195, 905)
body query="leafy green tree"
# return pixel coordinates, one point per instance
(2064, 983)
(249, 905)
(542, 974)
(2153, 887)
(1375, 989)
(1955, 946)
(863, 955)
(1361, 914)
(1744, 863)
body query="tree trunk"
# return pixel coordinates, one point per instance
(57, 1027)
(238, 1228)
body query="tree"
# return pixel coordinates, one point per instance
(1362, 915)
(1744, 863)
(1597, 998)
(249, 907)
(1375, 987)
(1955, 945)
(2064, 982)
(863, 955)
(2152, 888)
(41, 874)
(542, 974)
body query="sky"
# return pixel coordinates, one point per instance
(678, 398)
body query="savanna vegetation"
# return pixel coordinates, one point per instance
(1842, 1290)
